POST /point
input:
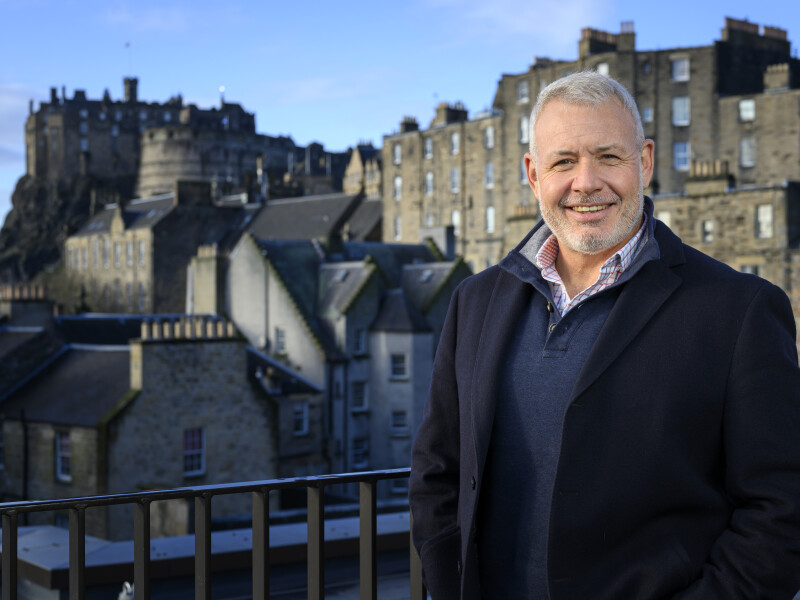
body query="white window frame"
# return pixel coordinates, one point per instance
(194, 455)
(360, 341)
(523, 91)
(397, 188)
(129, 253)
(359, 396)
(300, 419)
(681, 156)
(681, 111)
(665, 217)
(747, 110)
(280, 340)
(455, 143)
(752, 269)
(488, 137)
(429, 183)
(117, 255)
(360, 453)
(647, 114)
(397, 154)
(488, 175)
(490, 223)
(63, 456)
(399, 422)
(398, 365)
(680, 69)
(707, 231)
(428, 147)
(524, 129)
(602, 68)
(398, 228)
(454, 180)
(455, 221)
(765, 217)
(141, 253)
(747, 152)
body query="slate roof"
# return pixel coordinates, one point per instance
(304, 218)
(100, 329)
(138, 214)
(22, 351)
(368, 152)
(397, 314)
(390, 257)
(339, 283)
(366, 220)
(291, 381)
(77, 389)
(423, 282)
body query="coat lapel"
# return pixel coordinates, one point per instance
(509, 300)
(638, 301)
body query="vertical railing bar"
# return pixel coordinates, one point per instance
(141, 550)
(418, 591)
(316, 543)
(202, 548)
(77, 553)
(9, 564)
(368, 536)
(260, 545)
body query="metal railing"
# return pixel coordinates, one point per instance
(202, 495)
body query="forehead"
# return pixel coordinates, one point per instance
(605, 124)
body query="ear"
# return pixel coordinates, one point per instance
(530, 171)
(648, 151)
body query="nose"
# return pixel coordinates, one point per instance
(586, 180)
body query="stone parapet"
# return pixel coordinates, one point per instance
(190, 328)
(23, 291)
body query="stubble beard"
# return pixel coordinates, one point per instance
(586, 238)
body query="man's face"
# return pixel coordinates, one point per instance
(589, 175)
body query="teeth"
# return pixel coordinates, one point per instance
(588, 209)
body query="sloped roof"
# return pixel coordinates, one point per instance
(338, 284)
(100, 329)
(22, 351)
(78, 388)
(368, 152)
(366, 219)
(423, 282)
(397, 314)
(138, 214)
(389, 257)
(304, 218)
(291, 381)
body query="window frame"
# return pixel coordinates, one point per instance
(765, 221)
(359, 396)
(300, 417)
(63, 456)
(680, 69)
(398, 366)
(681, 111)
(192, 453)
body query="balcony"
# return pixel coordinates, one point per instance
(257, 555)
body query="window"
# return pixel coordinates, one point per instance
(681, 111)
(63, 456)
(106, 249)
(115, 131)
(84, 258)
(141, 297)
(430, 220)
(647, 115)
(429, 183)
(708, 231)
(397, 192)
(680, 156)
(360, 453)
(117, 254)
(398, 366)
(490, 219)
(399, 421)
(167, 117)
(360, 341)
(83, 113)
(96, 253)
(398, 228)
(118, 115)
(524, 129)
(397, 154)
(142, 115)
(300, 418)
(665, 217)
(602, 68)
(83, 128)
(129, 253)
(488, 137)
(69, 258)
(428, 148)
(141, 253)
(358, 399)
(280, 340)
(747, 110)
(523, 92)
(194, 451)
(84, 145)
(747, 152)
(764, 221)
(129, 296)
(455, 221)
(752, 269)
(454, 180)
(680, 69)
(455, 143)
(646, 67)
(488, 175)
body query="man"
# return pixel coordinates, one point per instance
(613, 415)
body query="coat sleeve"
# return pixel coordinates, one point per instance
(758, 555)
(434, 481)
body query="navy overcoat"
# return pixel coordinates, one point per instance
(679, 471)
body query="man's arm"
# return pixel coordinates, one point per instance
(434, 483)
(758, 556)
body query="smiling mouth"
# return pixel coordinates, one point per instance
(582, 208)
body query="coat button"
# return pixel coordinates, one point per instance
(549, 307)
(552, 326)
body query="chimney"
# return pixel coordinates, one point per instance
(130, 84)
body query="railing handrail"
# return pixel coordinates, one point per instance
(219, 489)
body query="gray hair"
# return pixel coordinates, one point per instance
(585, 88)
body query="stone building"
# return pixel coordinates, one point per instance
(187, 403)
(363, 172)
(133, 258)
(736, 99)
(358, 319)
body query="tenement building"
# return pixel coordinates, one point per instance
(737, 100)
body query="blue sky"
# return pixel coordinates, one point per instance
(333, 72)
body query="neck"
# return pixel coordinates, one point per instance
(578, 271)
